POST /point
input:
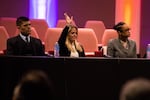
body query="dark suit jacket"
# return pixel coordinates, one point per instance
(16, 46)
(65, 52)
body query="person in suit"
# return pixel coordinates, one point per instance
(69, 46)
(122, 47)
(136, 89)
(34, 85)
(24, 44)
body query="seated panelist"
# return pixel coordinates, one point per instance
(24, 44)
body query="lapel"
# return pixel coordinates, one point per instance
(122, 48)
(20, 41)
(32, 42)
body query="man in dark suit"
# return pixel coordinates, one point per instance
(24, 44)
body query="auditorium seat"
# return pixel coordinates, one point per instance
(61, 23)
(51, 37)
(3, 38)
(87, 37)
(40, 26)
(98, 27)
(10, 24)
(108, 34)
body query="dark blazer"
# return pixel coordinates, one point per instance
(65, 52)
(16, 46)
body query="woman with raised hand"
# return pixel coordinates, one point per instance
(68, 44)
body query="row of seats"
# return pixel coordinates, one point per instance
(99, 28)
(97, 25)
(86, 37)
(41, 26)
(102, 33)
(9, 23)
(93, 35)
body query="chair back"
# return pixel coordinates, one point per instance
(98, 27)
(10, 24)
(108, 34)
(51, 37)
(61, 23)
(3, 38)
(40, 26)
(87, 37)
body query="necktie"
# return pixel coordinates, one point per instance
(27, 40)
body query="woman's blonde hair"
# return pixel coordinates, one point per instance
(76, 43)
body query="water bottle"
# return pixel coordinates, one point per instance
(148, 51)
(56, 50)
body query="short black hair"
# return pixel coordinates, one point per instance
(21, 19)
(118, 26)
